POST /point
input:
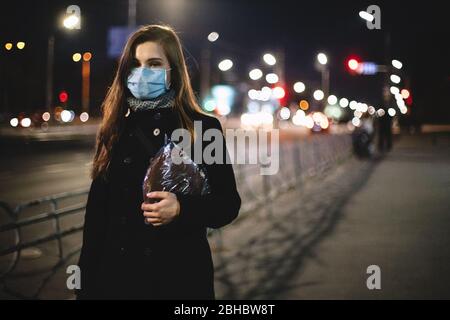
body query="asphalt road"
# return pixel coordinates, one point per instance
(322, 236)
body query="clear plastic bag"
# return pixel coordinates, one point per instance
(167, 174)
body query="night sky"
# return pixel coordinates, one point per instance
(419, 38)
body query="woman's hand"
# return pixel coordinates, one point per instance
(162, 212)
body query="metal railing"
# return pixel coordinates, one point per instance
(299, 160)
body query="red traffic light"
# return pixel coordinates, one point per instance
(63, 96)
(353, 64)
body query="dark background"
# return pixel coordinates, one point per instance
(419, 37)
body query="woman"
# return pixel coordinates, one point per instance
(168, 256)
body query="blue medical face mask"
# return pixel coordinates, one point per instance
(147, 83)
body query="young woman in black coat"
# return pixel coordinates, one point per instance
(134, 250)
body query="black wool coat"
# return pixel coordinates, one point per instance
(124, 258)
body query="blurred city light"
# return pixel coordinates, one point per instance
(362, 107)
(405, 93)
(271, 78)
(299, 87)
(71, 21)
(357, 114)
(299, 118)
(25, 122)
(391, 112)
(403, 110)
(265, 94)
(304, 105)
(87, 56)
(223, 96)
(380, 113)
(333, 112)
(84, 116)
(66, 116)
(322, 58)
(76, 57)
(269, 59)
(209, 105)
(356, 122)
(255, 74)
(253, 94)
(20, 45)
(343, 102)
(371, 110)
(318, 95)
(401, 103)
(397, 64)
(213, 36)
(366, 16)
(8, 46)
(394, 90)
(63, 96)
(278, 92)
(332, 100)
(14, 122)
(353, 64)
(353, 105)
(309, 122)
(285, 113)
(46, 116)
(395, 79)
(225, 65)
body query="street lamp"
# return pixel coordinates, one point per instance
(299, 87)
(213, 36)
(205, 62)
(272, 78)
(318, 95)
(332, 100)
(255, 74)
(76, 57)
(85, 78)
(397, 64)
(71, 21)
(322, 58)
(366, 16)
(225, 65)
(269, 59)
(395, 79)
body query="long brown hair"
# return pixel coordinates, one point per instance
(114, 106)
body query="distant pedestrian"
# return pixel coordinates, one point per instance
(363, 137)
(385, 133)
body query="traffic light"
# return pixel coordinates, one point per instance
(353, 64)
(63, 97)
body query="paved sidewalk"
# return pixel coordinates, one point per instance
(396, 215)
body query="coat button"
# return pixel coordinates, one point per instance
(127, 160)
(157, 116)
(130, 134)
(122, 250)
(147, 252)
(156, 132)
